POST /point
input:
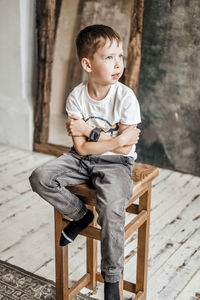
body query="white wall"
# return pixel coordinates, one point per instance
(17, 23)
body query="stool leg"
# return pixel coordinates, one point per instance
(92, 254)
(61, 261)
(143, 244)
(121, 288)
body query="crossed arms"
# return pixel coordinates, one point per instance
(121, 144)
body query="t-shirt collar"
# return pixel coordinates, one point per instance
(98, 102)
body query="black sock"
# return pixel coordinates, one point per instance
(71, 231)
(111, 291)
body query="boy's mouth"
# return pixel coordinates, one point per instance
(116, 76)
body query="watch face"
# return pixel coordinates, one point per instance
(95, 134)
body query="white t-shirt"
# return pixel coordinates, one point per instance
(120, 105)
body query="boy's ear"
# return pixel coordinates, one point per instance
(86, 65)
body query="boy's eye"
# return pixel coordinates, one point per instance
(121, 55)
(109, 57)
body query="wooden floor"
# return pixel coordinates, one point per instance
(27, 231)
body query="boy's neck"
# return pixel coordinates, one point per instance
(97, 91)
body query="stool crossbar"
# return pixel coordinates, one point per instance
(142, 177)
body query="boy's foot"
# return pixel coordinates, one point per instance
(71, 231)
(111, 291)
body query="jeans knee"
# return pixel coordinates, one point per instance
(36, 179)
(111, 214)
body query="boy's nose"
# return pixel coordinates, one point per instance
(117, 64)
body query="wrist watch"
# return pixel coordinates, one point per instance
(95, 134)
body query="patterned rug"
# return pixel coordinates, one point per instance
(18, 284)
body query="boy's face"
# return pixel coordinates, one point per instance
(107, 63)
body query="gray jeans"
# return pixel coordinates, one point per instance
(111, 177)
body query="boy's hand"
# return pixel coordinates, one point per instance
(78, 127)
(130, 136)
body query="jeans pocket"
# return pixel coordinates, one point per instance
(128, 162)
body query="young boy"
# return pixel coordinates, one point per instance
(103, 116)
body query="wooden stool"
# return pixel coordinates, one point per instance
(142, 178)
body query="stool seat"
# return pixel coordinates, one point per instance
(142, 177)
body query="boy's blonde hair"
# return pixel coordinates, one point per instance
(92, 37)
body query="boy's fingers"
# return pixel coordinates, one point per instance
(67, 124)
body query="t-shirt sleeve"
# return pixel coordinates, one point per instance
(72, 106)
(130, 113)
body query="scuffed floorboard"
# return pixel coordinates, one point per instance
(27, 230)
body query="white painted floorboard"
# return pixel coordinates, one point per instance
(27, 230)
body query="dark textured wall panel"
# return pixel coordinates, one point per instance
(169, 91)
